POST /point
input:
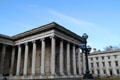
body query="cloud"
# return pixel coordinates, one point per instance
(99, 35)
(70, 19)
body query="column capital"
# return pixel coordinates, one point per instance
(52, 36)
(68, 43)
(26, 43)
(42, 39)
(19, 45)
(5, 45)
(34, 41)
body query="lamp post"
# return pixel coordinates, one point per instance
(86, 50)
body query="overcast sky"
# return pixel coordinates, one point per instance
(100, 19)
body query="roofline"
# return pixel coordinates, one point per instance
(5, 36)
(103, 52)
(46, 27)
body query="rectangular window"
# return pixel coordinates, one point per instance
(97, 64)
(92, 71)
(102, 57)
(91, 65)
(109, 62)
(111, 73)
(91, 59)
(104, 71)
(117, 70)
(103, 64)
(108, 57)
(98, 71)
(116, 63)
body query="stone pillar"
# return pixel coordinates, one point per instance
(3, 59)
(74, 61)
(43, 57)
(26, 59)
(100, 66)
(107, 66)
(33, 58)
(68, 58)
(79, 62)
(12, 61)
(61, 58)
(113, 66)
(53, 55)
(95, 66)
(18, 60)
(84, 63)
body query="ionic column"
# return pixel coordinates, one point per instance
(25, 59)
(53, 55)
(3, 58)
(68, 58)
(84, 63)
(79, 62)
(12, 61)
(33, 58)
(43, 57)
(113, 66)
(95, 67)
(74, 61)
(61, 58)
(18, 60)
(107, 66)
(101, 68)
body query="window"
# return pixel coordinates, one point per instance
(111, 73)
(96, 58)
(103, 64)
(116, 63)
(91, 65)
(109, 62)
(117, 70)
(91, 59)
(104, 71)
(97, 64)
(102, 57)
(92, 71)
(108, 57)
(98, 71)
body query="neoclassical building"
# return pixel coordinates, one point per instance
(50, 51)
(105, 63)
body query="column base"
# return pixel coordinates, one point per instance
(11, 75)
(69, 74)
(18, 75)
(42, 74)
(62, 74)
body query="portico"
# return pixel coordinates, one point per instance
(49, 51)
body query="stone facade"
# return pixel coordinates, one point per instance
(105, 63)
(50, 51)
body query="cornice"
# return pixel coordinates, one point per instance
(44, 28)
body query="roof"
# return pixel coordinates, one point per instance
(46, 27)
(104, 52)
(5, 36)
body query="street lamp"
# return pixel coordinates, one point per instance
(86, 50)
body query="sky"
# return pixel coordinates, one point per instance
(100, 19)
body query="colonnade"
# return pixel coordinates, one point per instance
(76, 59)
